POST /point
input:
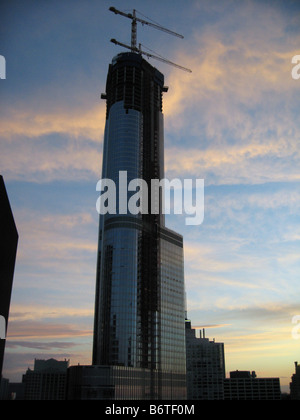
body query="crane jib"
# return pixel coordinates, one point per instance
(133, 46)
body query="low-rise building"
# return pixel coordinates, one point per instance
(244, 385)
(205, 366)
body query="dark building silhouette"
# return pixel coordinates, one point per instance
(8, 251)
(205, 366)
(47, 381)
(139, 331)
(244, 385)
(15, 391)
(295, 383)
(11, 391)
(4, 389)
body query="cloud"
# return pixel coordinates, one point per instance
(56, 263)
(38, 321)
(211, 259)
(52, 236)
(25, 312)
(227, 82)
(236, 114)
(48, 330)
(40, 345)
(34, 123)
(39, 329)
(41, 146)
(34, 161)
(239, 164)
(197, 327)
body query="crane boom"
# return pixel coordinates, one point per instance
(114, 41)
(133, 47)
(144, 22)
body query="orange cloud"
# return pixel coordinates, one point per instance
(237, 163)
(24, 155)
(25, 312)
(32, 123)
(241, 84)
(38, 330)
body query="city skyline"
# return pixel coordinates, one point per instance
(233, 122)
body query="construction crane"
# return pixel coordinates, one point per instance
(134, 47)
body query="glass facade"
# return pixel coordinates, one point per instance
(172, 310)
(139, 308)
(118, 247)
(172, 316)
(121, 383)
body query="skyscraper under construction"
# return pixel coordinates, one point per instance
(139, 327)
(139, 310)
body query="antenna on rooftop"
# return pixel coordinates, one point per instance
(134, 47)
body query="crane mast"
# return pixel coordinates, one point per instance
(134, 47)
(133, 30)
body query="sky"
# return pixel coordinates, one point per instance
(233, 121)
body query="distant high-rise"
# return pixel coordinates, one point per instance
(8, 251)
(139, 309)
(205, 365)
(295, 383)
